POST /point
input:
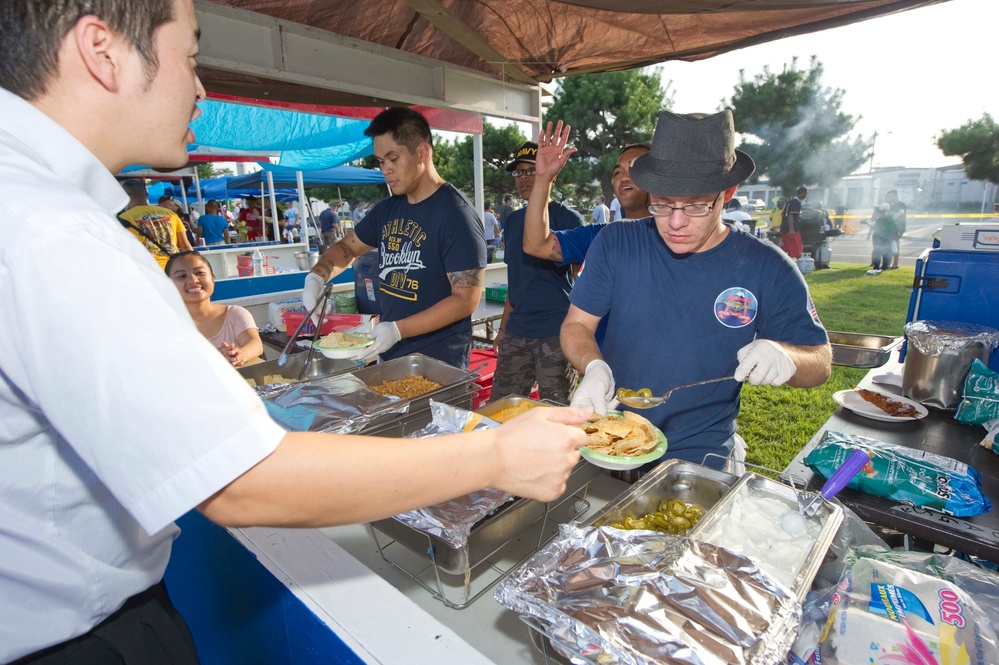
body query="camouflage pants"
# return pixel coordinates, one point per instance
(522, 360)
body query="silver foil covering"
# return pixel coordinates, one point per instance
(629, 597)
(934, 338)
(452, 520)
(341, 404)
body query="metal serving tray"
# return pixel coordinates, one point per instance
(860, 350)
(454, 382)
(506, 402)
(320, 367)
(673, 479)
(488, 535)
(829, 516)
(411, 422)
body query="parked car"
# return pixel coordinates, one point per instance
(756, 205)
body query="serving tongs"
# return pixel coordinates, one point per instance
(321, 305)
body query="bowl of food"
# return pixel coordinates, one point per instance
(622, 440)
(342, 345)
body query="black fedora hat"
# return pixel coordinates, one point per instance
(527, 153)
(691, 155)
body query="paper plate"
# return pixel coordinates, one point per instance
(620, 463)
(851, 399)
(344, 351)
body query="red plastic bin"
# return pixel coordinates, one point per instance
(334, 323)
(485, 380)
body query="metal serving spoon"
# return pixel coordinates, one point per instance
(649, 402)
(795, 521)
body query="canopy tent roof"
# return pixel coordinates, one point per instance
(412, 51)
(300, 140)
(287, 177)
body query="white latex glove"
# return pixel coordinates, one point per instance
(311, 292)
(763, 362)
(596, 390)
(386, 335)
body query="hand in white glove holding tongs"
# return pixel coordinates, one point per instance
(311, 292)
(764, 363)
(596, 390)
(386, 335)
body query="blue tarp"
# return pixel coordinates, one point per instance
(219, 189)
(285, 177)
(305, 141)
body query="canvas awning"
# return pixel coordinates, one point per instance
(451, 53)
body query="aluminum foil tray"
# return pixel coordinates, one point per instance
(746, 521)
(860, 350)
(673, 479)
(488, 535)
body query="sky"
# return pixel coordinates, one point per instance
(908, 75)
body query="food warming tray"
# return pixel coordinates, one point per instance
(860, 350)
(673, 479)
(489, 534)
(320, 367)
(454, 382)
(716, 528)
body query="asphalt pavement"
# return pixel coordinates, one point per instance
(856, 247)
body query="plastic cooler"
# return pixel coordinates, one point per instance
(956, 285)
(485, 380)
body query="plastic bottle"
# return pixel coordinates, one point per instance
(258, 262)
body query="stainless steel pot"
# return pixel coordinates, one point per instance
(938, 357)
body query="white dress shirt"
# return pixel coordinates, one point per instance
(116, 415)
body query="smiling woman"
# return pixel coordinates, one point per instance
(229, 328)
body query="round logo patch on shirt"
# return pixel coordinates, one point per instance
(736, 307)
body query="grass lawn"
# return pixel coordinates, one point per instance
(777, 422)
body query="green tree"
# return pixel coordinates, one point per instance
(207, 170)
(454, 162)
(976, 142)
(607, 112)
(793, 128)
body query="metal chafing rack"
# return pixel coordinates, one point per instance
(457, 576)
(719, 493)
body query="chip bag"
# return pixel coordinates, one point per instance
(904, 474)
(980, 398)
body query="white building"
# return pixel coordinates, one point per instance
(921, 189)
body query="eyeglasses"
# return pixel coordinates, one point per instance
(523, 173)
(691, 210)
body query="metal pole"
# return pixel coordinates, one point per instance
(477, 176)
(274, 210)
(299, 180)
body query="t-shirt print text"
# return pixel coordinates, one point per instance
(400, 253)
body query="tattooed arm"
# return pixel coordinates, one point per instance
(338, 258)
(466, 291)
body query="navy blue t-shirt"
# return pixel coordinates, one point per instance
(573, 243)
(538, 289)
(674, 319)
(418, 245)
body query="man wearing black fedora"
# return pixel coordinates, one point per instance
(687, 298)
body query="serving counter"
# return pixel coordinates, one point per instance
(937, 433)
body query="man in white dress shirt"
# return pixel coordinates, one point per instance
(116, 415)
